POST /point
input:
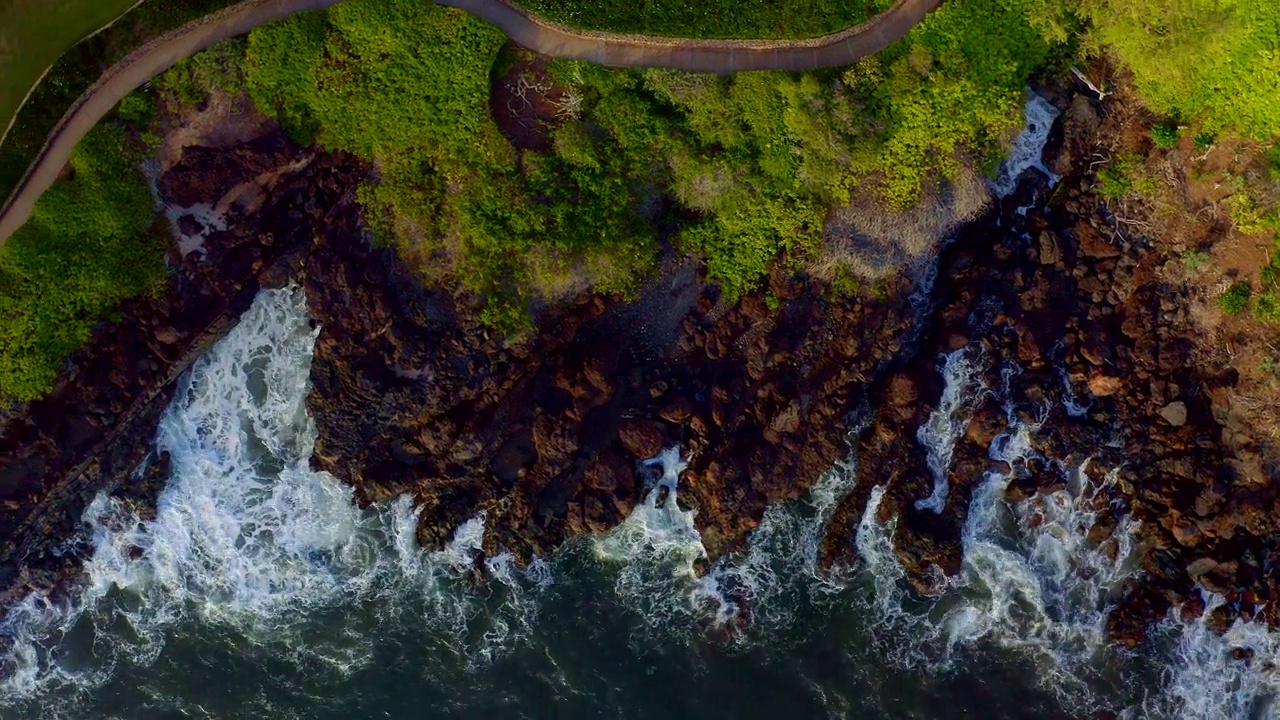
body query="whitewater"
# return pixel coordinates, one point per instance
(259, 568)
(260, 588)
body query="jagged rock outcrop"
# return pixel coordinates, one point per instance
(1064, 320)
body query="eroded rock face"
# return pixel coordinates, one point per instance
(95, 431)
(1072, 326)
(544, 434)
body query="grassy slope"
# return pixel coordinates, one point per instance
(77, 70)
(88, 246)
(712, 18)
(35, 33)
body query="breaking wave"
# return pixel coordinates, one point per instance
(247, 538)
(249, 541)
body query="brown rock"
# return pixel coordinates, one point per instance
(787, 421)
(167, 335)
(1049, 252)
(1175, 413)
(986, 424)
(1104, 385)
(678, 411)
(641, 438)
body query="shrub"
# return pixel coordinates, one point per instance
(1235, 299)
(88, 246)
(1165, 134)
(1116, 180)
(1195, 261)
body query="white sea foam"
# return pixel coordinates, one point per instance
(778, 571)
(248, 538)
(657, 547)
(948, 421)
(1028, 149)
(1031, 579)
(1211, 676)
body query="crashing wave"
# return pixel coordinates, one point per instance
(247, 538)
(1028, 149)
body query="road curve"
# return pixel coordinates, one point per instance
(615, 50)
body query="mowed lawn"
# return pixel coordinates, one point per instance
(34, 33)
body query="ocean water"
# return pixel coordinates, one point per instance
(261, 590)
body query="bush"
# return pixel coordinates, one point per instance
(1116, 179)
(1195, 261)
(88, 246)
(1165, 134)
(1235, 299)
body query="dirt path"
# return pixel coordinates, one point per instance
(720, 56)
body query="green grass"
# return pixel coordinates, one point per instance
(77, 69)
(88, 246)
(1211, 60)
(35, 33)
(712, 18)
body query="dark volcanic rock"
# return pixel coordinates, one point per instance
(95, 431)
(544, 434)
(1069, 314)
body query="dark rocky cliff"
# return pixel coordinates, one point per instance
(544, 432)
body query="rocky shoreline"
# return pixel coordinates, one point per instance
(544, 432)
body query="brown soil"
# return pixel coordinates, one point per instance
(527, 104)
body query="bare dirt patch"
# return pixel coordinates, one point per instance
(527, 104)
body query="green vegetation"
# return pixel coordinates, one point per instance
(190, 81)
(1119, 177)
(80, 67)
(1212, 60)
(1165, 134)
(87, 247)
(34, 33)
(712, 18)
(1235, 299)
(1195, 261)
(756, 161)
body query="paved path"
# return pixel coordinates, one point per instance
(719, 56)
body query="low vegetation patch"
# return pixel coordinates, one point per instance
(88, 246)
(712, 18)
(1235, 299)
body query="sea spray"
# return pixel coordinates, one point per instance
(247, 538)
(1028, 148)
(1211, 676)
(656, 547)
(760, 588)
(962, 388)
(1031, 580)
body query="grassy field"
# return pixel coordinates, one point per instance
(712, 18)
(77, 69)
(35, 33)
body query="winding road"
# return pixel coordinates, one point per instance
(615, 50)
